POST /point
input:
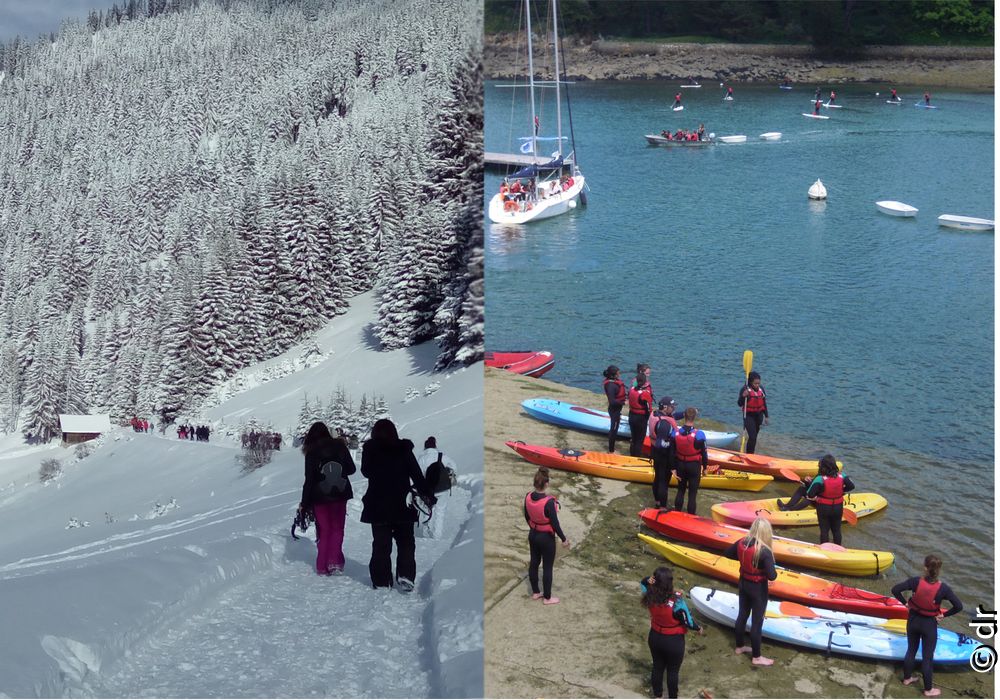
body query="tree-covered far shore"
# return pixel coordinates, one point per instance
(830, 24)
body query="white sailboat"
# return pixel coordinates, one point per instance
(543, 189)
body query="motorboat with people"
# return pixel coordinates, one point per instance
(549, 185)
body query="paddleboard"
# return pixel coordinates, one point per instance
(784, 87)
(894, 102)
(832, 631)
(727, 99)
(679, 109)
(921, 104)
(814, 116)
(690, 86)
(830, 106)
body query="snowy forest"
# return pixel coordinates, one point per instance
(187, 188)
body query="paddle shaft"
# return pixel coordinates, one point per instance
(747, 366)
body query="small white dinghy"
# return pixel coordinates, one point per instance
(894, 208)
(771, 136)
(817, 191)
(733, 139)
(966, 223)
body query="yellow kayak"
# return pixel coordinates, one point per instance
(743, 513)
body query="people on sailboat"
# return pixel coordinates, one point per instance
(677, 100)
(927, 99)
(895, 97)
(532, 192)
(517, 190)
(566, 182)
(504, 191)
(833, 96)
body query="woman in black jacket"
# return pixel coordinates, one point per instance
(390, 466)
(326, 492)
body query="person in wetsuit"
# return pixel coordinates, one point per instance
(640, 405)
(677, 100)
(927, 99)
(817, 106)
(661, 424)
(818, 94)
(895, 97)
(541, 511)
(827, 492)
(753, 400)
(669, 621)
(614, 389)
(690, 460)
(929, 591)
(833, 97)
(753, 552)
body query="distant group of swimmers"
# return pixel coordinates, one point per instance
(682, 135)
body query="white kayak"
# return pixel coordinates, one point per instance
(741, 138)
(771, 136)
(679, 108)
(966, 223)
(831, 630)
(814, 116)
(894, 208)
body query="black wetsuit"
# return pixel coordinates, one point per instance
(921, 630)
(753, 598)
(662, 461)
(615, 411)
(542, 546)
(829, 516)
(689, 473)
(667, 651)
(638, 423)
(752, 421)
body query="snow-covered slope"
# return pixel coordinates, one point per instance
(185, 582)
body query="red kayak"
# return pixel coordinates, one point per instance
(530, 364)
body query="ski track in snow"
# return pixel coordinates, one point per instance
(287, 632)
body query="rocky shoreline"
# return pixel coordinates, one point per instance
(970, 68)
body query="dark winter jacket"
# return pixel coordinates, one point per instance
(318, 455)
(390, 468)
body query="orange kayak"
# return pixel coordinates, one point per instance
(778, 467)
(635, 469)
(790, 585)
(823, 557)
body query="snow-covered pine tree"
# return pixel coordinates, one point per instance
(41, 420)
(306, 416)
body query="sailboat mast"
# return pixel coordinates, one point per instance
(531, 82)
(555, 45)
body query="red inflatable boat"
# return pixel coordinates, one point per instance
(531, 364)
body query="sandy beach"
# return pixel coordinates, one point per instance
(593, 644)
(969, 68)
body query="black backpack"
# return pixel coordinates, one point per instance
(439, 477)
(332, 482)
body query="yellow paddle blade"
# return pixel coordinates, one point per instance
(747, 361)
(898, 626)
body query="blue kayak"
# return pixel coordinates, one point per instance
(590, 420)
(833, 631)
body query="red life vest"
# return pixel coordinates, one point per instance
(684, 445)
(833, 491)
(922, 600)
(662, 620)
(747, 569)
(755, 400)
(536, 513)
(634, 396)
(620, 393)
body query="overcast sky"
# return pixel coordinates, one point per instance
(29, 18)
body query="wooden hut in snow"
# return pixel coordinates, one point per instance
(77, 428)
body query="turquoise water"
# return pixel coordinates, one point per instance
(873, 334)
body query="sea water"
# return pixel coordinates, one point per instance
(874, 335)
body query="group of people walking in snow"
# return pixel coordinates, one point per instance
(191, 432)
(399, 490)
(141, 425)
(261, 439)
